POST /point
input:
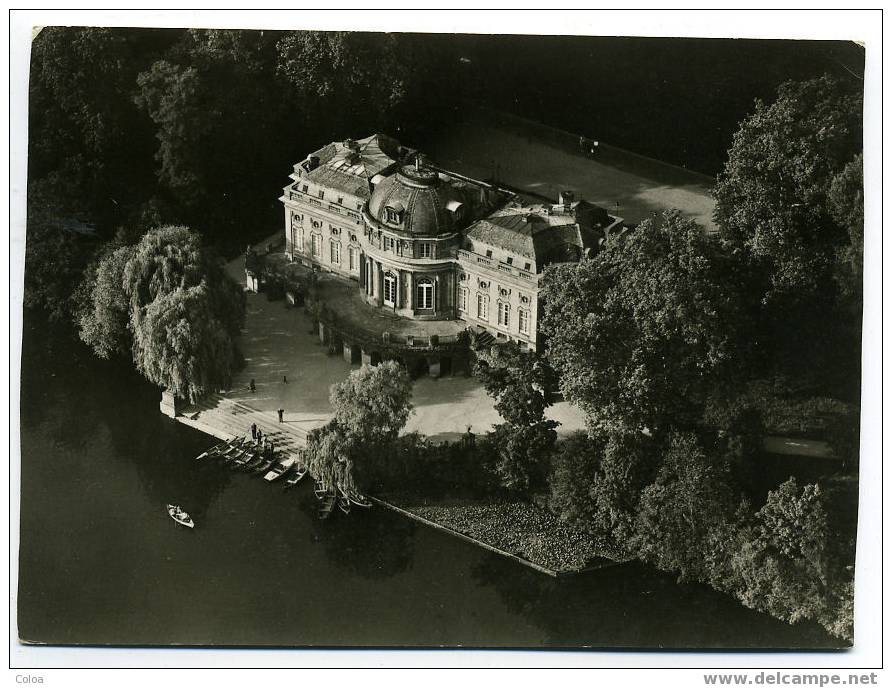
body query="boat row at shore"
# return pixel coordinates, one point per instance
(244, 455)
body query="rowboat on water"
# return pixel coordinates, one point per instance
(320, 490)
(239, 460)
(229, 454)
(355, 498)
(180, 516)
(328, 505)
(278, 470)
(263, 466)
(299, 473)
(251, 463)
(213, 450)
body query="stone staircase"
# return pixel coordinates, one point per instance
(482, 338)
(227, 419)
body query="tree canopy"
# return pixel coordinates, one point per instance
(374, 402)
(181, 346)
(167, 301)
(789, 205)
(642, 333)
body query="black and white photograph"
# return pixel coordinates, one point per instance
(332, 335)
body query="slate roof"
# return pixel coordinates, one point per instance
(544, 233)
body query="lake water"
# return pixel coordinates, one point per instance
(101, 563)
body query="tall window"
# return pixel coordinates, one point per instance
(389, 289)
(463, 299)
(336, 252)
(504, 314)
(425, 294)
(352, 259)
(482, 306)
(387, 243)
(523, 321)
(316, 246)
(425, 250)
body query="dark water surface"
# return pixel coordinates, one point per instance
(101, 562)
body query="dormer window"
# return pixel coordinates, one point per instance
(393, 215)
(321, 193)
(340, 200)
(509, 260)
(488, 253)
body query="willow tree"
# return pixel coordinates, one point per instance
(181, 345)
(103, 317)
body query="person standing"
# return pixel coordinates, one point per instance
(284, 379)
(253, 386)
(281, 415)
(259, 438)
(254, 431)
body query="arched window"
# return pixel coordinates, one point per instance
(389, 288)
(504, 313)
(482, 306)
(463, 299)
(424, 294)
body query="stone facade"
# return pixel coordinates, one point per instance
(430, 244)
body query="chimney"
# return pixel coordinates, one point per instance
(565, 199)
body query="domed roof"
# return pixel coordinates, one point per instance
(414, 200)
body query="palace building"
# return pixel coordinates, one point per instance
(430, 244)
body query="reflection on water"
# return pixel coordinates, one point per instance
(101, 562)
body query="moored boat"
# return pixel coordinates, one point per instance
(343, 503)
(328, 505)
(212, 451)
(320, 490)
(279, 470)
(263, 466)
(250, 464)
(299, 474)
(180, 516)
(237, 458)
(356, 498)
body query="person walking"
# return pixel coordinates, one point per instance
(253, 386)
(254, 431)
(281, 415)
(259, 438)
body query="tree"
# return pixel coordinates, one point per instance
(646, 330)
(84, 128)
(209, 136)
(165, 260)
(103, 317)
(518, 382)
(180, 345)
(789, 564)
(574, 469)
(688, 517)
(350, 75)
(772, 196)
(374, 402)
(55, 254)
(787, 204)
(846, 201)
